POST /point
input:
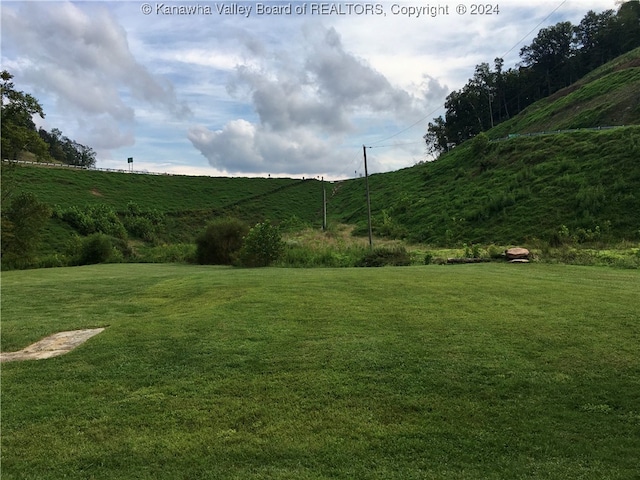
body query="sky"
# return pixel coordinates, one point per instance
(292, 89)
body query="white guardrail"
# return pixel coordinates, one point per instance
(80, 167)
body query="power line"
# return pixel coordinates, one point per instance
(534, 28)
(409, 127)
(395, 144)
(504, 55)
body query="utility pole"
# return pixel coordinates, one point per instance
(324, 206)
(490, 106)
(366, 177)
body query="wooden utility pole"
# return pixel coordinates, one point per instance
(324, 206)
(366, 180)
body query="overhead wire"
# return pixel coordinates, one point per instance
(534, 28)
(371, 145)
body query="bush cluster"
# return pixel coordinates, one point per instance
(262, 246)
(381, 256)
(143, 224)
(97, 218)
(22, 223)
(221, 241)
(96, 248)
(230, 241)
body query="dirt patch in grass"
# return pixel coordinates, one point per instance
(51, 346)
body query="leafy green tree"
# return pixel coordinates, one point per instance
(19, 132)
(22, 223)
(18, 129)
(625, 30)
(436, 136)
(549, 57)
(591, 38)
(67, 151)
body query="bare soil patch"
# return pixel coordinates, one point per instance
(51, 346)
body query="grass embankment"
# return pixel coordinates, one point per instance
(527, 188)
(515, 191)
(608, 96)
(166, 193)
(466, 372)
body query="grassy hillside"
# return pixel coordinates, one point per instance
(169, 194)
(188, 202)
(514, 191)
(526, 187)
(608, 96)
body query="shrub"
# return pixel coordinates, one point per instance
(140, 227)
(143, 224)
(96, 248)
(220, 243)
(388, 227)
(495, 252)
(480, 144)
(471, 251)
(262, 246)
(99, 218)
(379, 257)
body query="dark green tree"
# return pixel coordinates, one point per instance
(18, 131)
(591, 38)
(66, 150)
(549, 56)
(626, 27)
(436, 137)
(22, 223)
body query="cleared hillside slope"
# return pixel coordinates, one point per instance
(525, 187)
(608, 96)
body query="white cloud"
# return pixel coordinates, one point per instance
(80, 57)
(307, 104)
(273, 94)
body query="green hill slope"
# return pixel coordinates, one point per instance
(517, 190)
(525, 187)
(169, 194)
(186, 203)
(608, 96)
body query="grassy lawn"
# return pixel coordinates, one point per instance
(487, 371)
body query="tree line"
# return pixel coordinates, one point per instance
(557, 57)
(20, 135)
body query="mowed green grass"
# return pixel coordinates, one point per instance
(434, 372)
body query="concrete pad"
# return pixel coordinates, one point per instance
(51, 346)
